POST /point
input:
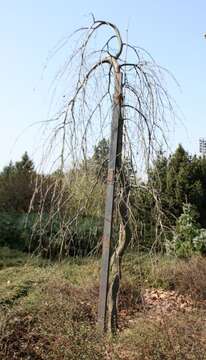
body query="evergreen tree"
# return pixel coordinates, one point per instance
(178, 180)
(101, 158)
(17, 185)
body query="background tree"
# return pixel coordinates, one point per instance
(17, 185)
(101, 157)
(179, 179)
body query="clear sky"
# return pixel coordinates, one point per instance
(172, 31)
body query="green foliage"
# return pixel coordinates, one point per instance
(100, 158)
(199, 241)
(176, 180)
(17, 231)
(186, 228)
(189, 238)
(185, 233)
(10, 230)
(155, 205)
(85, 237)
(25, 232)
(180, 179)
(142, 224)
(17, 185)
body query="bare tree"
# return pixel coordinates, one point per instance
(116, 83)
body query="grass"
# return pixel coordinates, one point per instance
(11, 257)
(48, 310)
(173, 338)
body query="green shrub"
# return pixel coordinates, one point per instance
(199, 241)
(27, 232)
(186, 231)
(17, 231)
(85, 236)
(10, 232)
(55, 239)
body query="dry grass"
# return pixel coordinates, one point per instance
(48, 311)
(54, 319)
(190, 277)
(178, 338)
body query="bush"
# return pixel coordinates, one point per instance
(85, 236)
(199, 241)
(17, 231)
(27, 232)
(183, 243)
(55, 239)
(10, 231)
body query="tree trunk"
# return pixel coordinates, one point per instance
(116, 259)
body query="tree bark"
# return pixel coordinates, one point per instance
(116, 259)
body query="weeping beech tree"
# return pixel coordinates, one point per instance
(115, 86)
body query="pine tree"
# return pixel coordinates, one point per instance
(17, 185)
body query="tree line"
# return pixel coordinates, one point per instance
(157, 203)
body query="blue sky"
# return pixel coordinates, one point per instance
(172, 31)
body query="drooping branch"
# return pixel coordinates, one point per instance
(98, 82)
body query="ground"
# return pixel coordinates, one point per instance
(48, 310)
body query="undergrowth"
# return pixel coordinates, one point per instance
(48, 310)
